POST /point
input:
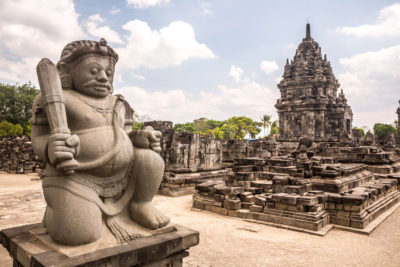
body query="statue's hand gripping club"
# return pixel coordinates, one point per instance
(62, 146)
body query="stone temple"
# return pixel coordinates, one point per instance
(310, 105)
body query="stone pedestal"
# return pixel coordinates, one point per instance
(164, 249)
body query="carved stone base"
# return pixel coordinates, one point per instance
(164, 249)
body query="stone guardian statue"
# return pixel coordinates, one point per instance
(98, 171)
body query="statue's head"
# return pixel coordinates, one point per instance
(88, 67)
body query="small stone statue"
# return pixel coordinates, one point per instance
(97, 169)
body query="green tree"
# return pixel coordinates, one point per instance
(201, 126)
(233, 128)
(274, 128)
(16, 103)
(381, 129)
(359, 130)
(217, 133)
(28, 129)
(188, 127)
(266, 122)
(10, 129)
(239, 127)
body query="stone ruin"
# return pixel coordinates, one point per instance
(318, 175)
(307, 195)
(17, 156)
(189, 159)
(265, 147)
(309, 104)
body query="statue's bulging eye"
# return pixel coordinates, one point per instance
(108, 72)
(94, 70)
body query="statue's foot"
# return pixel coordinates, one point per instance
(147, 215)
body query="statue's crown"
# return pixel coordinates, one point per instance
(77, 49)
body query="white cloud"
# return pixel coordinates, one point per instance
(236, 73)
(169, 46)
(146, 3)
(115, 10)
(137, 76)
(371, 84)
(96, 18)
(94, 29)
(250, 99)
(290, 46)
(205, 7)
(33, 29)
(268, 67)
(387, 24)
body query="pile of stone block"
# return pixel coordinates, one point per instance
(178, 184)
(17, 156)
(341, 194)
(361, 205)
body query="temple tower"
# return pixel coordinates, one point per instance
(310, 104)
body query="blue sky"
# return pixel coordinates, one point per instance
(181, 59)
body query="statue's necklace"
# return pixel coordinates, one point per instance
(103, 107)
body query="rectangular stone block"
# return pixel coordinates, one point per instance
(198, 205)
(342, 221)
(219, 197)
(260, 201)
(289, 199)
(232, 204)
(256, 208)
(246, 205)
(252, 215)
(218, 210)
(281, 206)
(307, 200)
(242, 213)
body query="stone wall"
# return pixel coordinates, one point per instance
(17, 155)
(262, 148)
(189, 159)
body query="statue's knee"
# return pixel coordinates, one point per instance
(73, 231)
(149, 158)
(79, 222)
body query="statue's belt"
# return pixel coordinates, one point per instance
(111, 208)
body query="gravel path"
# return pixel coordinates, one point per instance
(226, 241)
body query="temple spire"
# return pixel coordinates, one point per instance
(308, 32)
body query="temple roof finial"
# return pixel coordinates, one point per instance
(308, 32)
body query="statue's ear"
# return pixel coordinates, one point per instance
(66, 79)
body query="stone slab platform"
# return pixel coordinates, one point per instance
(374, 224)
(166, 249)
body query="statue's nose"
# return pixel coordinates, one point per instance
(102, 77)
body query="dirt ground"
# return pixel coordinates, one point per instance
(226, 241)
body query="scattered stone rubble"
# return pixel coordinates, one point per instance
(17, 156)
(276, 190)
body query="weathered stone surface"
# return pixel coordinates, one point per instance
(96, 166)
(164, 248)
(17, 155)
(309, 105)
